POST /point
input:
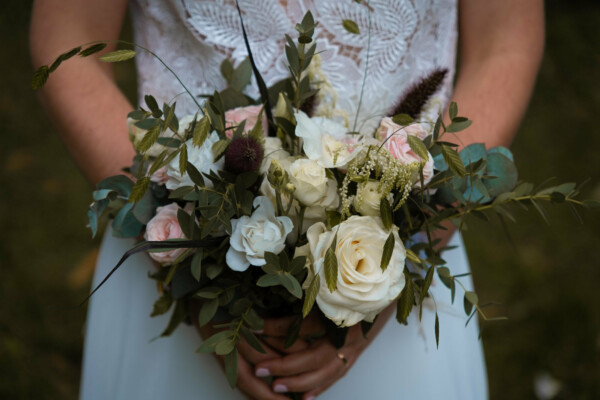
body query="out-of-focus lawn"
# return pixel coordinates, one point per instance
(547, 283)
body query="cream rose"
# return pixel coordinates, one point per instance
(325, 141)
(396, 142)
(363, 289)
(312, 185)
(164, 226)
(273, 151)
(252, 236)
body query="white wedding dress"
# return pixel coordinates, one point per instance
(409, 39)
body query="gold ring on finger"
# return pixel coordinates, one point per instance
(343, 358)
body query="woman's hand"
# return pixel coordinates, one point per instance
(247, 382)
(312, 368)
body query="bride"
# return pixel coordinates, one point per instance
(500, 50)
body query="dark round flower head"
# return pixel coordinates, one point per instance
(244, 154)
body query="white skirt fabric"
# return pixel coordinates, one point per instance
(123, 360)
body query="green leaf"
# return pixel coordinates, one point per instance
(195, 175)
(183, 159)
(64, 57)
(170, 119)
(406, 300)
(418, 147)
(385, 210)
(93, 49)
(458, 126)
(201, 131)
(437, 330)
(388, 250)
(153, 106)
(291, 284)
(453, 110)
(208, 311)
(219, 148)
(162, 305)
(403, 119)
(541, 210)
(412, 256)
(427, 282)
(240, 77)
(226, 69)
(292, 333)
(331, 267)
(311, 295)
(139, 189)
(470, 300)
(178, 316)
(208, 345)
(231, 367)
(40, 77)
(268, 280)
(214, 270)
(252, 340)
(225, 347)
(149, 139)
(350, 26)
(118, 55)
(454, 161)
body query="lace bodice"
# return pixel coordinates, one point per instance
(409, 39)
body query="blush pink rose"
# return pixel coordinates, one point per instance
(164, 226)
(250, 114)
(396, 142)
(160, 176)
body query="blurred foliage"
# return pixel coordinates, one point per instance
(547, 282)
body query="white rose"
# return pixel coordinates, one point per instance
(201, 157)
(363, 289)
(253, 236)
(312, 185)
(368, 199)
(324, 140)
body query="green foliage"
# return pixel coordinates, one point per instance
(388, 249)
(118, 56)
(350, 26)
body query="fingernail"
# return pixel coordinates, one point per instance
(262, 372)
(311, 398)
(279, 388)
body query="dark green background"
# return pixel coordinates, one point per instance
(548, 284)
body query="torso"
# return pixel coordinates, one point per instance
(409, 39)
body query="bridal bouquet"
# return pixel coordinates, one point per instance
(282, 206)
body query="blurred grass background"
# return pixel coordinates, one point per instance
(547, 284)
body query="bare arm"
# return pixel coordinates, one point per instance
(501, 44)
(81, 96)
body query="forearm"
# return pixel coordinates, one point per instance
(81, 96)
(500, 53)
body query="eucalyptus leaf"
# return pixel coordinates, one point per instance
(231, 367)
(207, 311)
